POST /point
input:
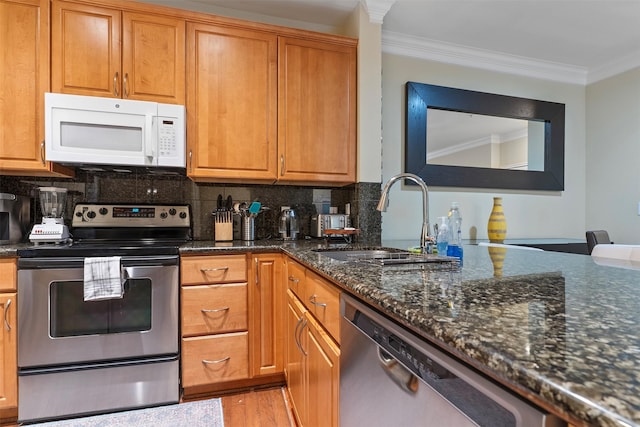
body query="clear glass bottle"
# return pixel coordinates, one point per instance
(442, 238)
(455, 232)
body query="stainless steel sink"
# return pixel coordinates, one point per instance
(383, 256)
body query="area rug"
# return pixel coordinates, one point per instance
(191, 414)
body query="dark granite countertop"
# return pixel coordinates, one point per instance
(557, 328)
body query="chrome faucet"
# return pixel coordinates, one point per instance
(426, 243)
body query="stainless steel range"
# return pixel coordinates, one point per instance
(78, 355)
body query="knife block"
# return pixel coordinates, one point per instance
(223, 227)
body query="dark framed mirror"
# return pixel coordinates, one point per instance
(539, 160)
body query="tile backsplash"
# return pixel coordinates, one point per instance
(142, 187)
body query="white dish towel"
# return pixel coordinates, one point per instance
(102, 278)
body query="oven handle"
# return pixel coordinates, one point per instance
(41, 263)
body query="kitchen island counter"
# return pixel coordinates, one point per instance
(559, 329)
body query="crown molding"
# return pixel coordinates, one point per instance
(613, 68)
(377, 9)
(418, 47)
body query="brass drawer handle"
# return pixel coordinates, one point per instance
(115, 84)
(217, 310)
(312, 300)
(213, 362)
(294, 279)
(7, 325)
(125, 83)
(206, 270)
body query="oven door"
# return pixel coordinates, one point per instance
(56, 325)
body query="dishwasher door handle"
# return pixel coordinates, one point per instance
(404, 378)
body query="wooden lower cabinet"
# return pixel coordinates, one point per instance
(215, 358)
(214, 321)
(295, 359)
(267, 315)
(323, 377)
(312, 368)
(232, 321)
(8, 339)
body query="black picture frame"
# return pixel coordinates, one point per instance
(420, 96)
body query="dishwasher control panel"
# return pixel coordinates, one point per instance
(418, 362)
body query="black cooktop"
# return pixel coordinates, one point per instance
(96, 249)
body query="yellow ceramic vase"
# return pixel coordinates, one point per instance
(497, 226)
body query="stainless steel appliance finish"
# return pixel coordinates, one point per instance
(15, 216)
(389, 376)
(288, 223)
(77, 357)
(322, 222)
(56, 327)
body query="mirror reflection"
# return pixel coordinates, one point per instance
(478, 140)
(541, 168)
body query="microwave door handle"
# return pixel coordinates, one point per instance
(148, 136)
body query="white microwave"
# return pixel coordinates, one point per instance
(83, 130)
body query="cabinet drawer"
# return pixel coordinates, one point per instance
(7, 274)
(208, 309)
(215, 358)
(295, 277)
(213, 269)
(323, 300)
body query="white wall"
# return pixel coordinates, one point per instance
(529, 214)
(613, 156)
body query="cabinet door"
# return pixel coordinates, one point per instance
(153, 58)
(316, 111)
(296, 277)
(323, 365)
(85, 50)
(323, 300)
(231, 104)
(267, 317)
(8, 352)
(295, 359)
(24, 67)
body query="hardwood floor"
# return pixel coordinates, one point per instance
(257, 408)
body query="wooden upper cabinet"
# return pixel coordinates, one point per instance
(99, 51)
(231, 104)
(316, 111)
(153, 58)
(24, 71)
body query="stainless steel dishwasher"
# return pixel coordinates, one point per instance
(391, 377)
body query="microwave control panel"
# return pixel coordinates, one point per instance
(168, 144)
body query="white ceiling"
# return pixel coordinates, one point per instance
(576, 41)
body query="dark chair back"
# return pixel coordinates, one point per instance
(595, 237)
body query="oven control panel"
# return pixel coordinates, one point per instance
(130, 215)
